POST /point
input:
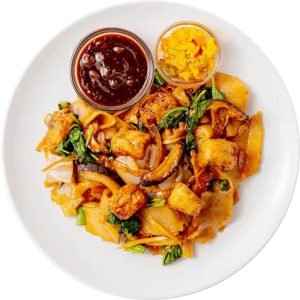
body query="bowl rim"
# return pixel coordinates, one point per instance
(111, 31)
(185, 84)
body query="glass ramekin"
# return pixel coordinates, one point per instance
(108, 31)
(158, 55)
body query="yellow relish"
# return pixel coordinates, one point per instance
(189, 54)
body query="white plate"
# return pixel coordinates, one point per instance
(264, 198)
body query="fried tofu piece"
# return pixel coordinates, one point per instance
(184, 200)
(160, 104)
(127, 201)
(218, 152)
(130, 142)
(58, 129)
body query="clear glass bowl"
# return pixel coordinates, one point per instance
(75, 61)
(158, 54)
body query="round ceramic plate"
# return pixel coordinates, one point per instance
(264, 198)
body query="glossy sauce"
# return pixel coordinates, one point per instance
(112, 69)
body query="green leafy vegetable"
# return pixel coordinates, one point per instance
(190, 116)
(190, 142)
(171, 254)
(130, 226)
(134, 126)
(215, 93)
(159, 80)
(172, 118)
(80, 216)
(63, 148)
(199, 96)
(63, 105)
(224, 185)
(75, 144)
(156, 202)
(138, 249)
(74, 118)
(94, 156)
(197, 111)
(211, 184)
(141, 126)
(90, 134)
(107, 147)
(113, 219)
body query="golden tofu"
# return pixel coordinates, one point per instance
(160, 104)
(218, 152)
(127, 201)
(58, 129)
(184, 200)
(130, 142)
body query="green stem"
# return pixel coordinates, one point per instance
(159, 80)
(80, 216)
(138, 249)
(89, 136)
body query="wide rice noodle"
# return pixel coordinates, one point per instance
(87, 114)
(107, 181)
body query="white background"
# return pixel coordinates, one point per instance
(25, 27)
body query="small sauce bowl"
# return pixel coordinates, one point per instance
(112, 69)
(177, 64)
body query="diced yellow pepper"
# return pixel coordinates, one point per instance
(188, 53)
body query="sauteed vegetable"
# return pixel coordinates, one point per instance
(162, 175)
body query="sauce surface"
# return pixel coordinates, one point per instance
(112, 69)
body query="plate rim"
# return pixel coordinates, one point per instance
(8, 188)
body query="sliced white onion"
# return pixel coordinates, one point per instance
(179, 175)
(126, 176)
(168, 183)
(152, 157)
(61, 172)
(148, 160)
(65, 189)
(101, 138)
(129, 162)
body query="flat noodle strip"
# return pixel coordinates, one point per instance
(144, 241)
(188, 249)
(193, 235)
(107, 181)
(82, 187)
(106, 119)
(87, 114)
(163, 230)
(125, 168)
(41, 145)
(120, 123)
(163, 243)
(69, 158)
(120, 112)
(172, 141)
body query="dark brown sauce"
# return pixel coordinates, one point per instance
(112, 69)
